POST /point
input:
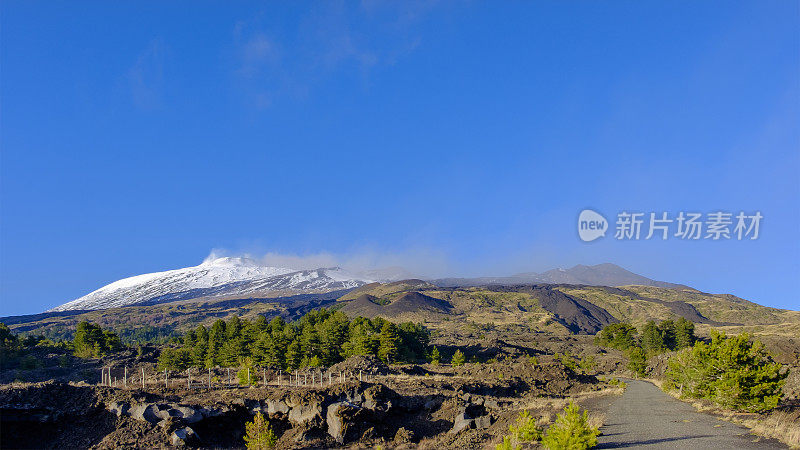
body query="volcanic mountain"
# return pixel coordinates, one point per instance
(215, 277)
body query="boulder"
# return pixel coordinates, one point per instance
(484, 422)
(303, 414)
(146, 412)
(468, 417)
(118, 408)
(186, 413)
(336, 425)
(340, 417)
(277, 407)
(462, 422)
(184, 436)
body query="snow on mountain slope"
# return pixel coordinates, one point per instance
(214, 277)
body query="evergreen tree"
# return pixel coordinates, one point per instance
(435, 357)
(652, 342)
(571, 431)
(733, 372)
(668, 334)
(621, 336)
(309, 341)
(92, 341)
(199, 349)
(216, 337)
(389, 340)
(233, 327)
(684, 334)
(458, 358)
(637, 361)
(333, 333)
(258, 434)
(293, 355)
(261, 324)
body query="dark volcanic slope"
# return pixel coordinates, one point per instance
(578, 315)
(411, 302)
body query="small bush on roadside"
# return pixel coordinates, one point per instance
(733, 372)
(571, 431)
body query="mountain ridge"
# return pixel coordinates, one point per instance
(242, 276)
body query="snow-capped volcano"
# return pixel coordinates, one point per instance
(214, 277)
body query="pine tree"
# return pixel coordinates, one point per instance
(293, 355)
(652, 341)
(389, 341)
(199, 349)
(458, 358)
(233, 327)
(571, 431)
(435, 356)
(734, 372)
(637, 361)
(668, 331)
(309, 341)
(684, 334)
(258, 434)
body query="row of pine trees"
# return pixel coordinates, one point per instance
(320, 338)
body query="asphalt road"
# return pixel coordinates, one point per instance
(646, 417)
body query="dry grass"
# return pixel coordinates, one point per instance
(783, 425)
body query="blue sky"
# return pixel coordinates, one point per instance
(452, 138)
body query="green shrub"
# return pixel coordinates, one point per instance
(621, 336)
(91, 341)
(525, 429)
(507, 444)
(567, 360)
(618, 382)
(435, 357)
(733, 372)
(587, 364)
(637, 361)
(571, 431)
(458, 358)
(259, 435)
(29, 362)
(174, 359)
(246, 367)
